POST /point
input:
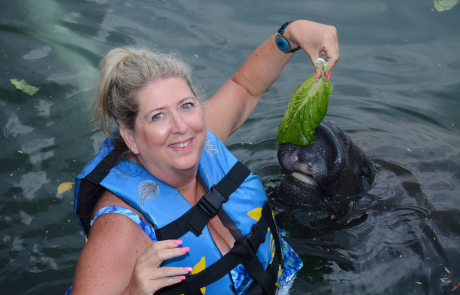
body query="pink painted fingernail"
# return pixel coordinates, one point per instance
(316, 77)
(328, 76)
(181, 278)
(187, 269)
(178, 242)
(185, 249)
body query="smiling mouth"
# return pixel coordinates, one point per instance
(181, 145)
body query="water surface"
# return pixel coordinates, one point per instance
(396, 93)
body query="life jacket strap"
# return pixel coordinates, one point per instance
(193, 220)
(196, 218)
(90, 191)
(242, 252)
(103, 168)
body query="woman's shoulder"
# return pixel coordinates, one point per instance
(116, 224)
(114, 244)
(110, 199)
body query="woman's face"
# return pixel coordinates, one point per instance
(170, 129)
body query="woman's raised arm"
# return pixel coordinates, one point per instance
(234, 102)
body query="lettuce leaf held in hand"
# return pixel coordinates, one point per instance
(307, 108)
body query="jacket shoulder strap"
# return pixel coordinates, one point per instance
(196, 218)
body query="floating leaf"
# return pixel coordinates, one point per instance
(65, 186)
(442, 5)
(21, 152)
(419, 283)
(455, 285)
(24, 86)
(306, 109)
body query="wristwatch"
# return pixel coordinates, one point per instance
(282, 43)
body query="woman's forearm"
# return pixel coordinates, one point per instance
(265, 64)
(234, 102)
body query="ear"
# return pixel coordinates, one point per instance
(128, 137)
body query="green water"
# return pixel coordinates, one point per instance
(396, 94)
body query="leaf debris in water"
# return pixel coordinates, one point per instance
(65, 186)
(306, 109)
(443, 5)
(24, 86)
(419, 283)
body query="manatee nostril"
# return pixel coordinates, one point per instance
(287, 156)
(304, 168)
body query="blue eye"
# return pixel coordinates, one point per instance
(157, 117)
(187, 105)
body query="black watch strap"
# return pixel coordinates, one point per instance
(281, 41)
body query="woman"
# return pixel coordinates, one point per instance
(172, 146)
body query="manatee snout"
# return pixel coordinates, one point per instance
(325, 172)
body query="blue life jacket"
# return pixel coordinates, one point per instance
(163, 205)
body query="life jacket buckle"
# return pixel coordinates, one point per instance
(248, 251)
(212, 201)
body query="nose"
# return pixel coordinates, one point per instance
(178, 124)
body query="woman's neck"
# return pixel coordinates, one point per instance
(193, 191)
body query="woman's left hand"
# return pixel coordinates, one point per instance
(316, 40)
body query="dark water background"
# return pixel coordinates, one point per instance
(396, 93)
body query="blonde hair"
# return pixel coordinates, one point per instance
(123, 72)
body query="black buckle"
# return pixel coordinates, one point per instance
(254, 236)
(248, 252)
(212, 201)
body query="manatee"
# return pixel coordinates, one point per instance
(325, 172)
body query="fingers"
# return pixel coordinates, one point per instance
(333, 52)
(148, 276)
(317, 74)
(162, 250)
(166, 272)
(164, 282)
(316, 40)
(331, 49)
(148, 282)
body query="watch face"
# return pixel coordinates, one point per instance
(282, 43)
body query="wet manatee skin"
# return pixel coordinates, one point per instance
(325, 172)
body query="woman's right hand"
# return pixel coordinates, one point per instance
(148, 276)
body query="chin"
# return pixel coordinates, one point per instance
(188, 164)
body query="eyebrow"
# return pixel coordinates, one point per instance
(162, 108)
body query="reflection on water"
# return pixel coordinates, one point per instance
(396, 93)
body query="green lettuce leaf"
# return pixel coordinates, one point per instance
(442, 5)
(307, 108)
(24, 86)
